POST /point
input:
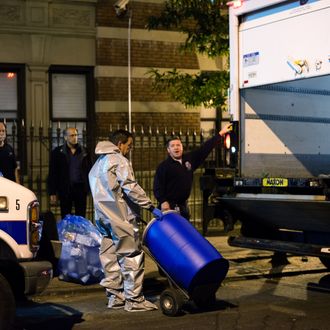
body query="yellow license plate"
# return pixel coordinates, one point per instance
(274, 182)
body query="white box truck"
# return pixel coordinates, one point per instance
(20, 274)
(279, 99)
(279, 86)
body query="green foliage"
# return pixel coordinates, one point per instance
(205, 22)
(206, 88)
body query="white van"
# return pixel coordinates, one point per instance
(20, 274)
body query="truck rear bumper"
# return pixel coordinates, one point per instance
(293, 212)
(280, 246)
(37, 276)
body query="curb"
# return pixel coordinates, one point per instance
(57, 287)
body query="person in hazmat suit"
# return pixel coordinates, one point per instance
(116, 194)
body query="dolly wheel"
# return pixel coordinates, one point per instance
(171, 302)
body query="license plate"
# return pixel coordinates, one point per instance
(274, 182)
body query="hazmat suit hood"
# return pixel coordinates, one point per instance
(106, 147)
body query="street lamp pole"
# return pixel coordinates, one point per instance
(129, 71)
(122, 9)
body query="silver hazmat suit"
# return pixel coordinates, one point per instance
(112, 181)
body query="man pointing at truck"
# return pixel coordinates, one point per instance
(174, 176)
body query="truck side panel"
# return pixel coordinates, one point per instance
(280, 87)
(285, 129)
(284, 42)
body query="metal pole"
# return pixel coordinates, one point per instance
(129, 71)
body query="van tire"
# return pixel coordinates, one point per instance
(7, 304)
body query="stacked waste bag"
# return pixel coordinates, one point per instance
(79, 261)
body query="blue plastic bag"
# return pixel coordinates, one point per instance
(79, 261)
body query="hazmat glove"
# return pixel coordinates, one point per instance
(156, 212)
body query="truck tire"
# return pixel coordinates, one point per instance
(7, 305)
(228, 221)
(325, 261)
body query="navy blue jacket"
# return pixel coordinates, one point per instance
(8, 162)
(173, 180)
(59, 170)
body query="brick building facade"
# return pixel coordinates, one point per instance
(148, 49)
(43, 39)
(65, 63)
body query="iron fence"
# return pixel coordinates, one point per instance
(34, 144)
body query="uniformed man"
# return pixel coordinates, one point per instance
(174, 176)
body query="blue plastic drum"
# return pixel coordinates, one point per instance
(184, 254)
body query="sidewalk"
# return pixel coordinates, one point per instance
(243, 263)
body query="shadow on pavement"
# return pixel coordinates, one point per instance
(217, 306)
(322, 286)
(36, 316)
(154, 286)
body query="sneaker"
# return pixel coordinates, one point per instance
(324, 176)
(139, 306)
(115, 302)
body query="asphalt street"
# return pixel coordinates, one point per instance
(256, 294)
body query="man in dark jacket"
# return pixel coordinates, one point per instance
(174, 176)
(8, 166)
(69, 166)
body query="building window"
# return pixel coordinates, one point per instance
(12, 105)
(8, 95)
(69, 96)
(12, 92)
(71, 101)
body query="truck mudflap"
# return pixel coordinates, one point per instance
(37, 275)
(304, 249)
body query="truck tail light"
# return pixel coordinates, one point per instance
(227, 141)
(34, 225)
(235, 3)
(231, 146)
